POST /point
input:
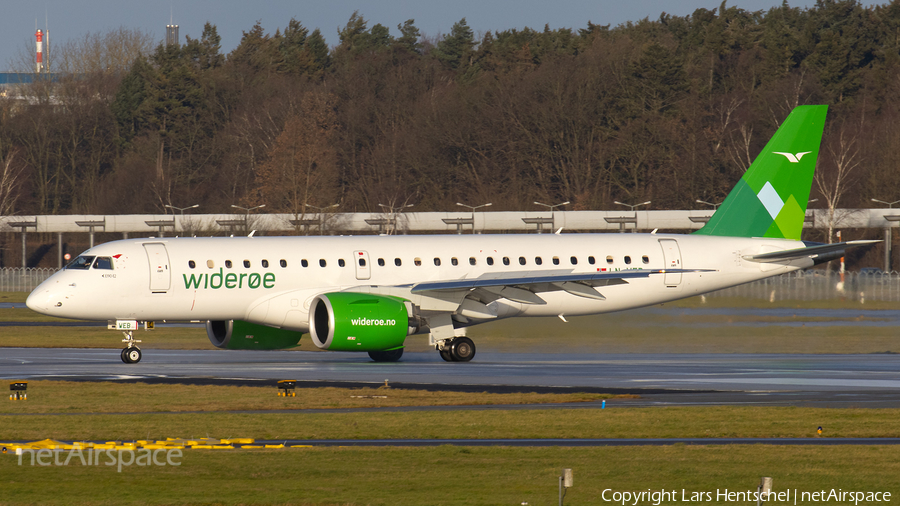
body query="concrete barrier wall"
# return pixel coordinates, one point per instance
(371, 223)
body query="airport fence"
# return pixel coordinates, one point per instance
(802, 285)
(18, 279)
(820, 285)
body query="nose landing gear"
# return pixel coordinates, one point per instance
(131, 354)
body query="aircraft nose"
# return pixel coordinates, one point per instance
(37, 301)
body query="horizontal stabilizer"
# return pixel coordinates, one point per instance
(814, 251)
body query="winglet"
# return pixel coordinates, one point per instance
(770, 199)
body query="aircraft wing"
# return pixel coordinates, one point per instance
(524, 286)
(815, 251)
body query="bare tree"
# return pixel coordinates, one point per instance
(102, 52)
(302, 167)
(111, 51)
(10, 183)
(834, 179)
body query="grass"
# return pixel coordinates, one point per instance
(112, 397)
(465, 424)
(443, 475)
(450, 475)
(89, 412)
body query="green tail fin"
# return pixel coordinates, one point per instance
(770, 199)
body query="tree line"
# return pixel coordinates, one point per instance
(670, 110)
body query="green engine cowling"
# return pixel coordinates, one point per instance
(240, 335)
(348, 321)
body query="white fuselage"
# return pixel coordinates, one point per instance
(272, 280)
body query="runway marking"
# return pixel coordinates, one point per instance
(787, 381)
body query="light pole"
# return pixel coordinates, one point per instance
(887, 235)
(473, 208)
(321, 211)
(248, 210)
(552, 208)
(182, 209)
(391, 212)
(632, 208)
(889, 204)
(714, 206)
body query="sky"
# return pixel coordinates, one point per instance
(73, 18)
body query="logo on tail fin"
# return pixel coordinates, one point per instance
(770, 199)
(793, 158)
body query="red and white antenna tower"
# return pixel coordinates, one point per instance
(39, 62)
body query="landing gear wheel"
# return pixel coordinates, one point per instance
(386, 356)
(445, 354)
(462, 349)
(131, 355)
(122, 355)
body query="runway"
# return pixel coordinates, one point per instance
(659, 379)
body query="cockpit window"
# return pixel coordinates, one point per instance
(82, 262)
(103, 263)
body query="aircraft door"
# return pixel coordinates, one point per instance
(363, 268)
(160, 274)
(672, 256)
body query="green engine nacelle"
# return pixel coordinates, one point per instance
(347, 321)
(240, 335)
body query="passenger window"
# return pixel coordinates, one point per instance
(362, 262)
(505, 260)
(304, 263)
(574, 260)
(265, 263)
(555, 260)
(521, 260)
(591, 260)
(454, 261)
(103, 263)
(538, 261)
(381, 262)
(490, 260)
(191, 264)
(645, 259)
(437, 261)
(472, 261)
(283, 262)
(81, 263)
(397, 262)
(210, 264)
(609, 259)
(627, 260)
(341, 262)
(228, 264)
(418, 262)
(247, 264)
(322, 262)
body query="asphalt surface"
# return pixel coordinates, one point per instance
(659, 379)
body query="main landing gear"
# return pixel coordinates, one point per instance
(459, 349)
(131, 354)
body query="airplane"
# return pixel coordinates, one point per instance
(369, 293)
